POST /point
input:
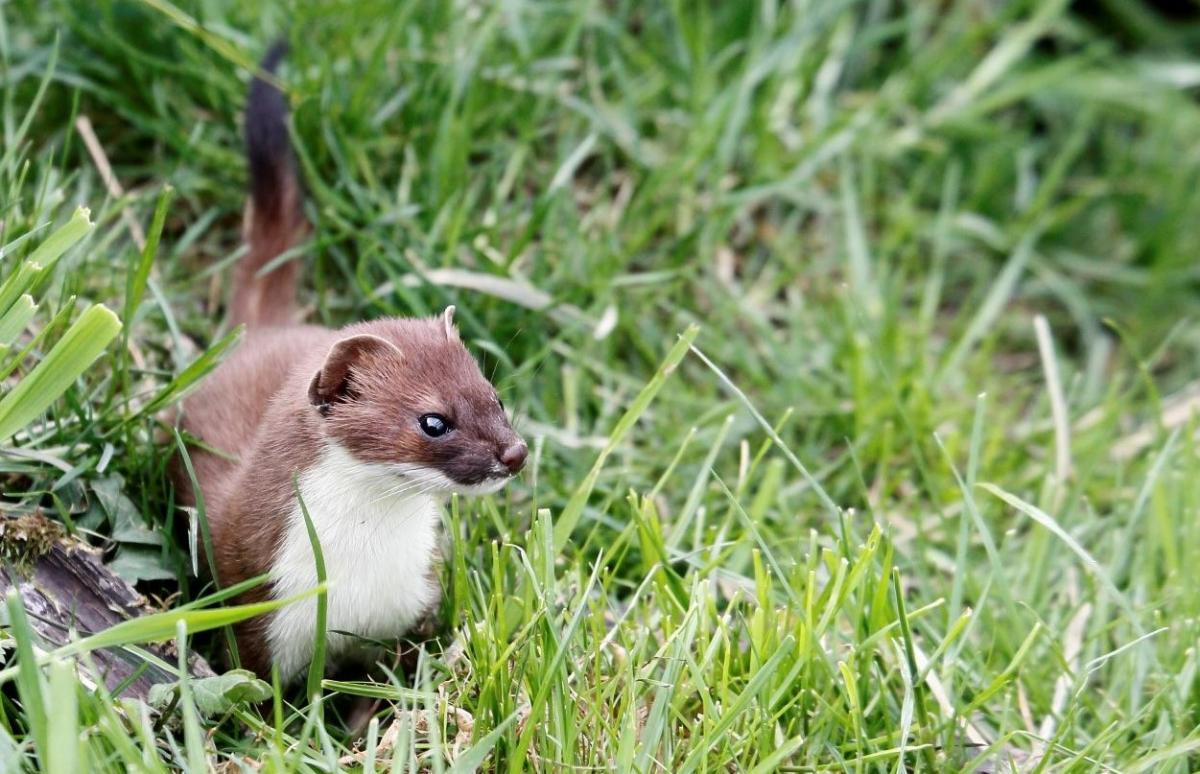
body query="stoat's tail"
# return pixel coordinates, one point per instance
(274, 222)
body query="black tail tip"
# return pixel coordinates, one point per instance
(268, 146)
(274, 55)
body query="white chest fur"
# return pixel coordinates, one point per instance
(379, 539)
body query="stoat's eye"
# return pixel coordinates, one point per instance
(434, 425)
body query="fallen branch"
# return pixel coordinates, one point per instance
(68, 592)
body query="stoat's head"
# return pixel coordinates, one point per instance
(406, 394)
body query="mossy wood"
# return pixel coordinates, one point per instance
(68, 592)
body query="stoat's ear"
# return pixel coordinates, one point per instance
(448, 321)
(332, 383)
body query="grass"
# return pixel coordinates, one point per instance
(919, 493)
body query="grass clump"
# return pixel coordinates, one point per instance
(853, 340)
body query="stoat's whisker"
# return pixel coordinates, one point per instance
(409, 516)
(408, 484)
(393, 493)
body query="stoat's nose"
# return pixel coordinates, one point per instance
(514, 456)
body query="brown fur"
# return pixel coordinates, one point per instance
(269, 299)
(290, 389)
(274, 221)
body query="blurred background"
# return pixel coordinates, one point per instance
(942, 256)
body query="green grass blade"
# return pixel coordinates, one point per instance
(64, 736)
(1093, 567)
(139, 274)
(193, 734)
(1183, 750)
(14, 140)
(823, 495)
(72, 354)
(18, 284)
(574, 509)
(538, 702)
(739, 705)
(158, 627)
(191, 376)
(65, 237)
(31, 685)
(316, 668)
(13, 321)
(994, 302)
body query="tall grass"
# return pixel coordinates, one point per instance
(917, 493)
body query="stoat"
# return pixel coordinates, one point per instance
(374, 422)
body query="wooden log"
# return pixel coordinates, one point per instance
(68, 592)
